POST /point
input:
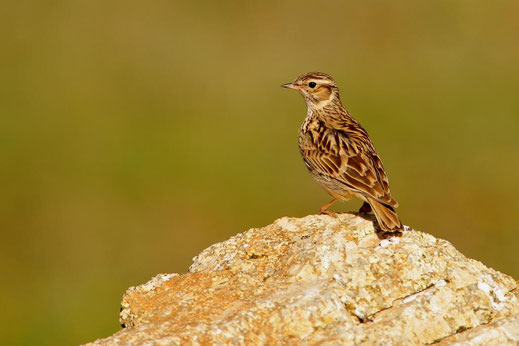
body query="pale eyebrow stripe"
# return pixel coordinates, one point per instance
(322, 81)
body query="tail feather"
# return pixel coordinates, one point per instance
(386, 216)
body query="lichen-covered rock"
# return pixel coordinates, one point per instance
(321, 279)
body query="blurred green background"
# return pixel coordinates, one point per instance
(135, 134)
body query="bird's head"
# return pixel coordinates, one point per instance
(318, 89)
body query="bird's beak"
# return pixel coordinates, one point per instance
(290, 86)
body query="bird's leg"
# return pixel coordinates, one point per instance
(366, 208)
(324, 208)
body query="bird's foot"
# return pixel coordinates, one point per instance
(327, 212)
(324, 209)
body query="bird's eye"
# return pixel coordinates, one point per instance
(311, 84)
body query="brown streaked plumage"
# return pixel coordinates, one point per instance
(339, 154)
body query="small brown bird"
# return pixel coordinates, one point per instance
(339, 154)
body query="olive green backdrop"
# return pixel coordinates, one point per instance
(135, 134)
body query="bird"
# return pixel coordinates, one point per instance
(339, 153)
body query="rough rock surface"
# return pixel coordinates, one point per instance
(320, 279)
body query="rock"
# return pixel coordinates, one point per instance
(320, 279)
(504, 331)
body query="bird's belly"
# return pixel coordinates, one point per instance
(333, 188)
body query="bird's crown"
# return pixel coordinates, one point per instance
(316, 77)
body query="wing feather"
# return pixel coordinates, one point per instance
(348, 159)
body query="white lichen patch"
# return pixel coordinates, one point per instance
(337, 278)
(157, 281)
(493, 291)
(441, 283)
(286, 224)
(387, 242)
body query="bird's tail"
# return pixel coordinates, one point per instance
(386, 216)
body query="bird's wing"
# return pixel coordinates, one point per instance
(365, 172)
(350, 161)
